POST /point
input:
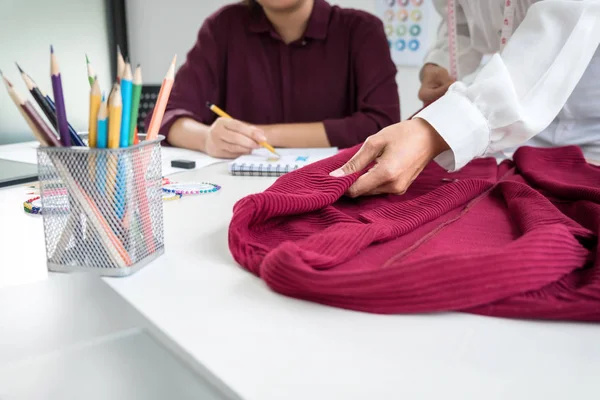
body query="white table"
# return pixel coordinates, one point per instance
(266, 346)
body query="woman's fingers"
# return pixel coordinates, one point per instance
(242, 128)
(363, 157)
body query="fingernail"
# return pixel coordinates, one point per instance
(337, 173)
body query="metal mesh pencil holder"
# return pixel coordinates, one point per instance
(102, 208)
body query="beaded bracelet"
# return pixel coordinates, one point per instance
(168, 196)
(186, 189)
(33, 206)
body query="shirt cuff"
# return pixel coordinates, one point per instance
(460, 123)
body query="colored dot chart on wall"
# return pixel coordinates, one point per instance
(404, 22)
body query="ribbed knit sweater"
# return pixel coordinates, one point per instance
(518, 239)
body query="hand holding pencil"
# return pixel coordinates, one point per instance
(229, 138)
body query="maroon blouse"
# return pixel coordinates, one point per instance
(340, 72)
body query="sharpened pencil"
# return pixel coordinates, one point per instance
(40, 129)
(59, 101)
(161, 102)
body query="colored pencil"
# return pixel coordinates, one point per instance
(214, 108)
(136, 94)
(114, 165)
(18, 100)
(90, 71)
(126, 92)
(120, 64)
(47, 105)
(161, 102)
(102, 143)
(72, 132)
(102, 126)
(39, 128)
(95, 100)
(115, 107)
(61, 112)
(38, 96)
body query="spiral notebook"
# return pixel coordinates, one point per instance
(263, 163)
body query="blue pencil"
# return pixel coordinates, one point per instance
(126, 95)
(102, 143)
(102, 140)
(61, 112)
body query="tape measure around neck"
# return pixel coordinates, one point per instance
(508, 23)
(505, 34)
(452, 38)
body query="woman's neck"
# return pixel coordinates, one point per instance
(291, 23)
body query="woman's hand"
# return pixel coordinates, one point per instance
(230, 138)
(435, 81)
(400, 152)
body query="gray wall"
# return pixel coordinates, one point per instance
(27, 28)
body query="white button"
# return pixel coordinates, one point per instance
(304, 43)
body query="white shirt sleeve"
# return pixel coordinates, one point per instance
(468, 58)
(518, 93)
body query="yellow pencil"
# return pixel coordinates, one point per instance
(214, 108)
(95, 100)
(115, 105)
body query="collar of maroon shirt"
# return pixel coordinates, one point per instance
(316, 28)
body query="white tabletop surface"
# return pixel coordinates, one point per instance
(267, 346)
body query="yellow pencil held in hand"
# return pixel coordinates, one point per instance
(214, 108)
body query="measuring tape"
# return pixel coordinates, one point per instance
(505, 33)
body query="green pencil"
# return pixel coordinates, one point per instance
(90, 71)
(136, 94)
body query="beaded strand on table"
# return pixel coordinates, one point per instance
(171, 191)
(186, 189)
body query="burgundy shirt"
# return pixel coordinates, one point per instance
(340, 73)
(516, 240)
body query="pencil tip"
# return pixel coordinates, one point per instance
(19, 67)
(1, 74)
(87, 60)
(51, 49)
(138, 65)
(118, 49)
(208, 104)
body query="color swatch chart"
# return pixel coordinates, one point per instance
(405, 24)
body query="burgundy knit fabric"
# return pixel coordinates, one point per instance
(515, 240)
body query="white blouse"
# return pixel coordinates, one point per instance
(542, 90)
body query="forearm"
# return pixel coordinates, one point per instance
(188, 133)
(310, 134)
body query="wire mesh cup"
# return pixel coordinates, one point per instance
(102, 208)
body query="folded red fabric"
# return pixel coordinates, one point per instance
(518, 239)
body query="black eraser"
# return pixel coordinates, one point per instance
(185, 164)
